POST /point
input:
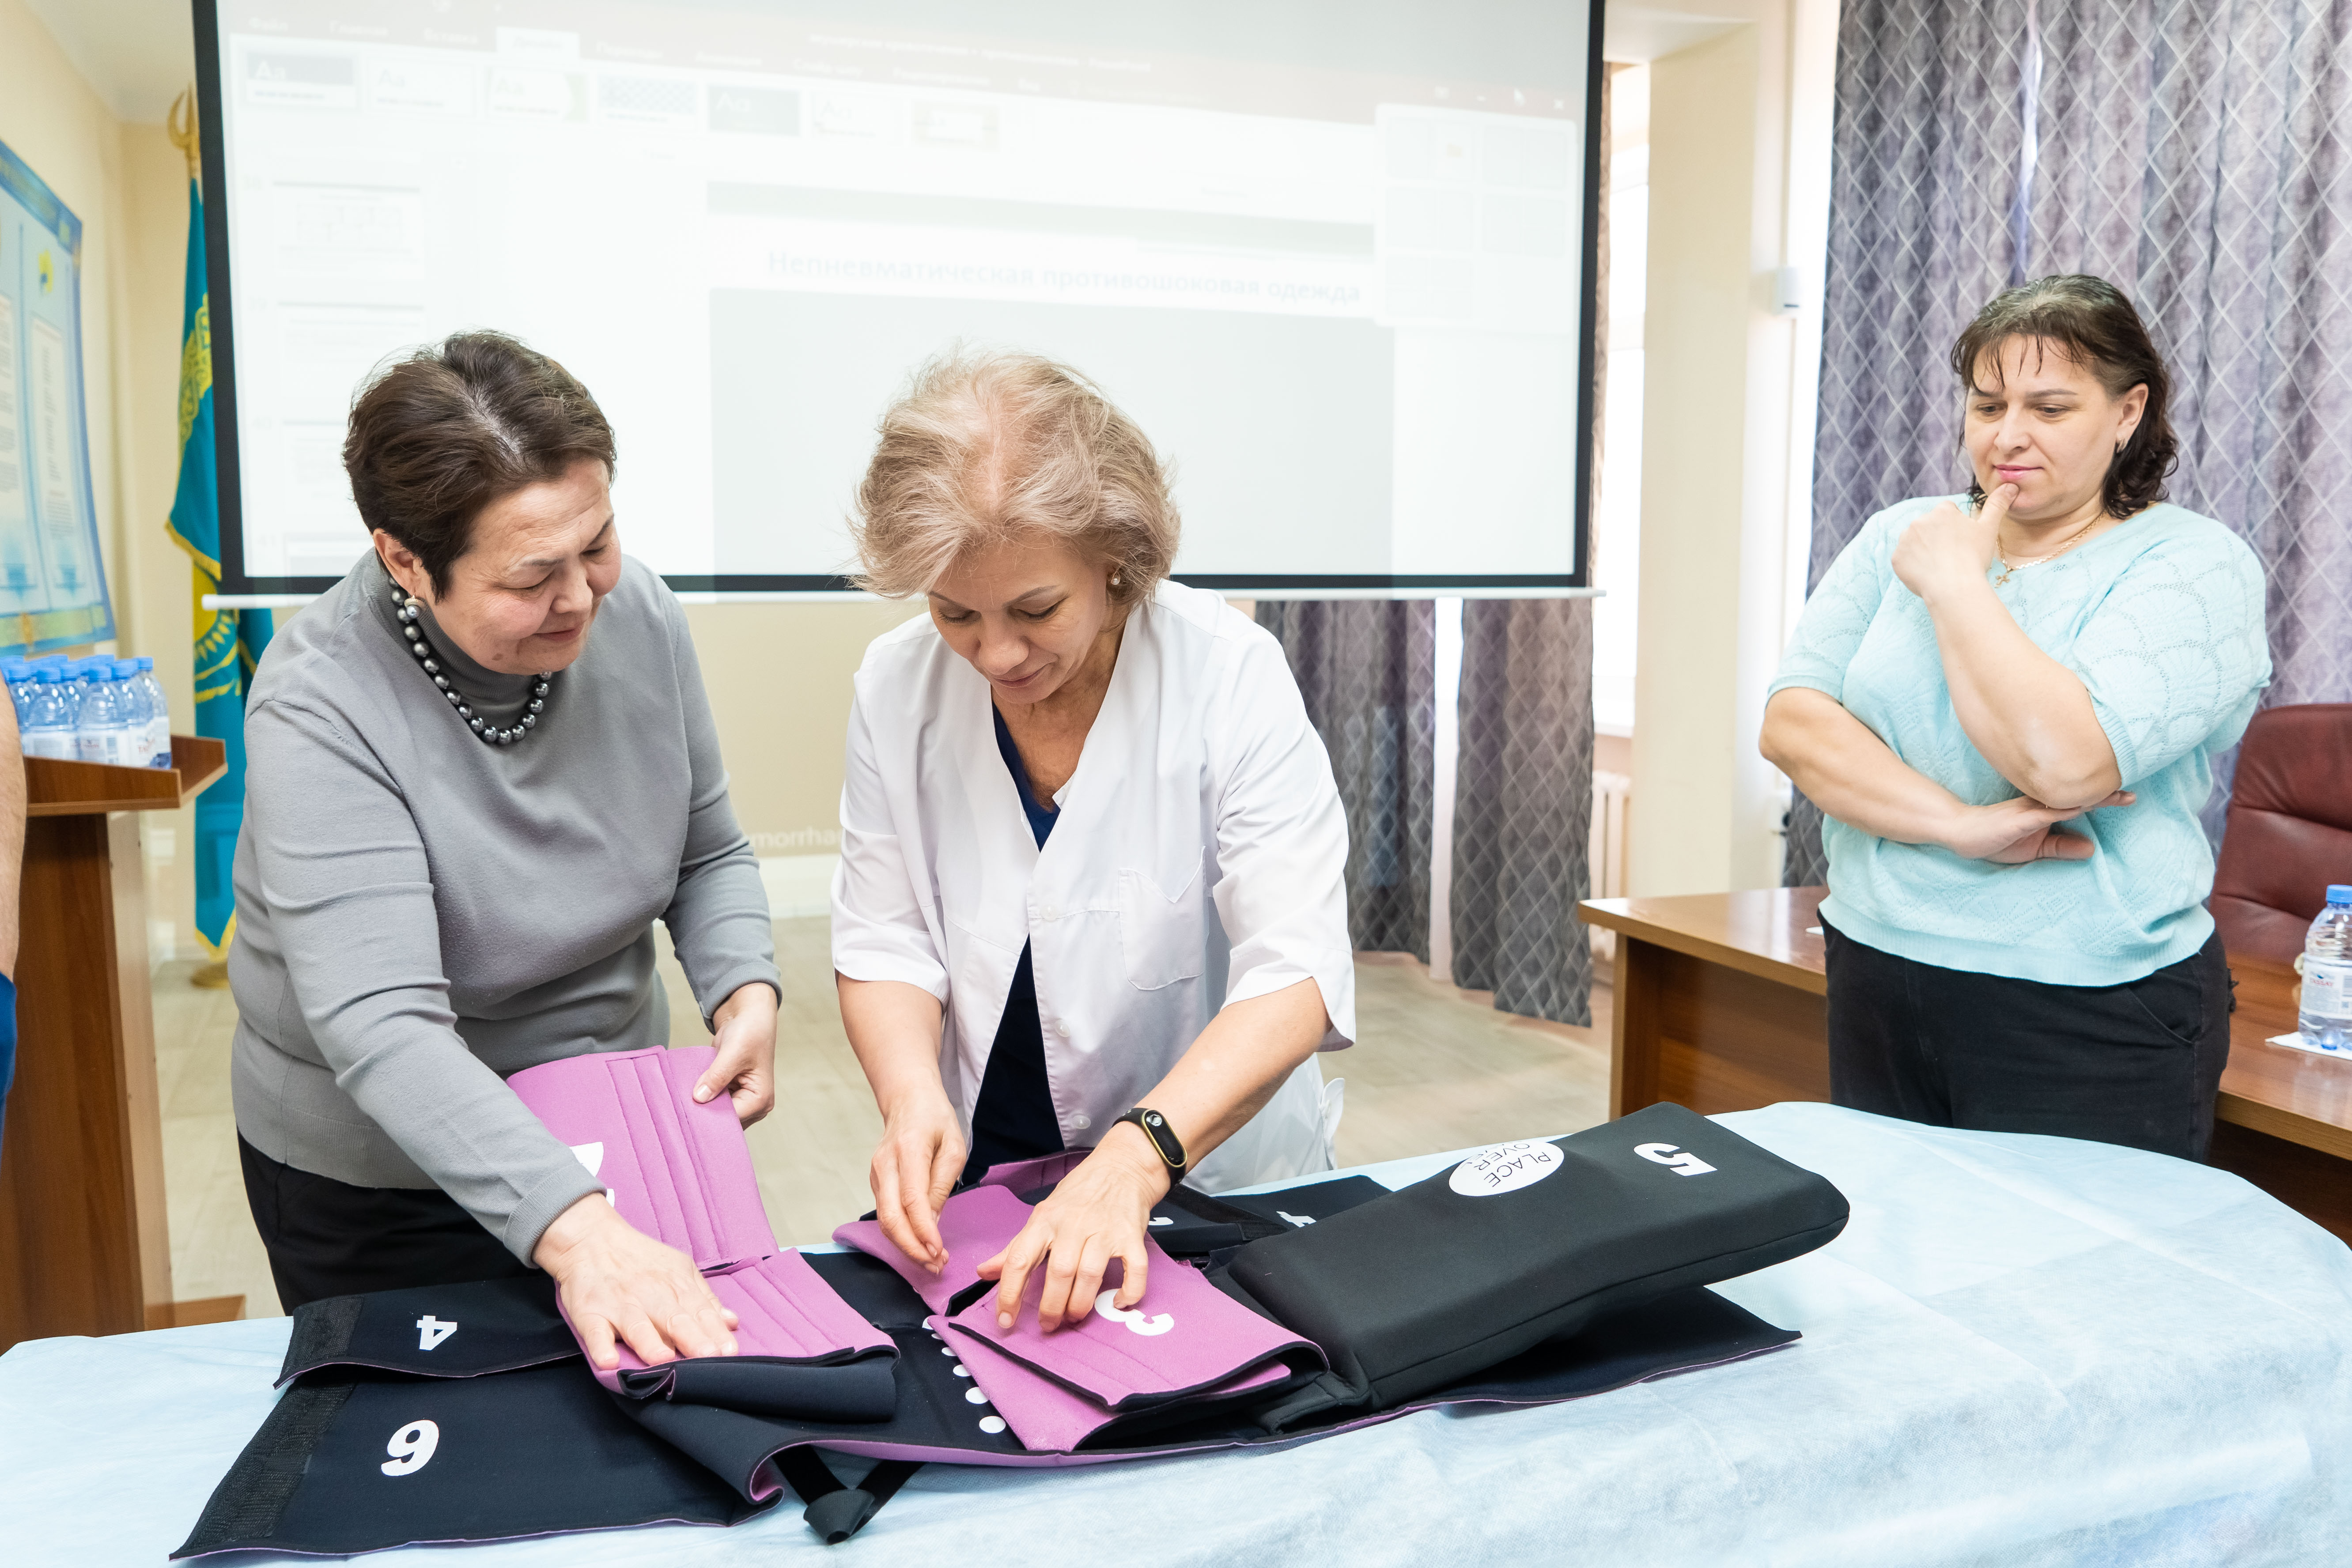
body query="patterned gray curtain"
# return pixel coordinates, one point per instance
(1523, 806)
(2199, 155)
(1368, 671)
(1523, 765)
(1927, 152)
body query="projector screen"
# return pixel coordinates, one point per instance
(1333, 256)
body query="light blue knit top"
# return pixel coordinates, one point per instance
(2162, 619)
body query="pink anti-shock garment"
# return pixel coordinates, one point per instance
(681, 1172)
(1186, 1345)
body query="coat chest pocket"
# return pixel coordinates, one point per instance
(1163, 938)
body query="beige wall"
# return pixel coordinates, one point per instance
(778, 676)
(1727, 388)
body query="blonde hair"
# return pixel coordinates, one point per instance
(991, 447)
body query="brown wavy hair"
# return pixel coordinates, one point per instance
(992, 446)
(2089, 320)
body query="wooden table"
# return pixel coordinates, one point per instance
(83, 1245)
(1721, 1005)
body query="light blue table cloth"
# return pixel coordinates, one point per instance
(2022, 1351)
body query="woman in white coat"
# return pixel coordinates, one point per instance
(1091, 874)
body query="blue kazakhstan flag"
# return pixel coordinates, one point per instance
(228, 642)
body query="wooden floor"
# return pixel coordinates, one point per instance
(1435, 1068)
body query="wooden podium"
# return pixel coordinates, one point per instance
(83, 1243)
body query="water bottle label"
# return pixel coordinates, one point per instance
(57, 744)
(2327, 990)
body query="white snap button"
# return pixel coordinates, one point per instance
(1082, 1122)
(1051, 913)
(945, 1350)
(991, 1424)
(975, 1397)
(960, 1370)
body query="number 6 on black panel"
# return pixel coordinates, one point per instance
(412, 1448)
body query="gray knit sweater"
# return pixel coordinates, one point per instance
(420, 915)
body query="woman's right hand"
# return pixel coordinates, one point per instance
(915, 1168)
(2011, 832)
(617, 1282)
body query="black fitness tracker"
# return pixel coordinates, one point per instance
(1161, 1137)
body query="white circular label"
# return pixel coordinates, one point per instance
(1504, 1168)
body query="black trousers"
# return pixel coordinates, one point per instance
(2136, 1063)
(327, 1237)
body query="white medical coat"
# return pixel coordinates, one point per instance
(1198, 860)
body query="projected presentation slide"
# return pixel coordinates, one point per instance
(1337, 272)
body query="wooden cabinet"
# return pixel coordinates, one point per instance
(1721, 1005)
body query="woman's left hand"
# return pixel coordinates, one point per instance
(1947, 546)
(1100, 1211)
(745, 1068)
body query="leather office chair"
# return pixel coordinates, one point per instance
(2289, 832)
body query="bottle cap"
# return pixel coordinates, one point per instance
(2339, 892)
(144, 663)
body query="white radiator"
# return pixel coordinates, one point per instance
(1611, 795)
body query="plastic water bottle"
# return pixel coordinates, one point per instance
(159, 712)
(19, 676)
(106, 729)
(47, 729)
(2325, 1018)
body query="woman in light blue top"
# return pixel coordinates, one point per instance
(2006, 704)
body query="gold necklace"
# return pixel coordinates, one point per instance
(2008, 566)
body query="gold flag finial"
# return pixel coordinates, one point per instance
(181, 123)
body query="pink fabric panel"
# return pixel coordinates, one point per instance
(1043, 1414)
(680, 1172)
(975, 1225)
(1184, 1336)
(788, 1311)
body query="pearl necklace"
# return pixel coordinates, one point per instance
(410, 612)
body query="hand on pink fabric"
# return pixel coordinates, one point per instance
(619, 1283)
(1100, 1211)
(745, 1066)
(915, 1168)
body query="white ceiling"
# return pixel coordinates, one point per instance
(138, 54)
(1639, 34)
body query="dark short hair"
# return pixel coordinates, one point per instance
(438, 437)
(2089, 320)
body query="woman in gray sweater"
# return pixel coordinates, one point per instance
(478, 769)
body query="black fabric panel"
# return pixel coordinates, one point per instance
(530, 1452)
(1312, 1202)
(251, 1497)
(499, 1325)
(933, 1412)
(845, 1388)
(1426, 1286)
(1188, 1223)
(1682, 1330)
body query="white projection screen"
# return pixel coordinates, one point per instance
(1334, 256)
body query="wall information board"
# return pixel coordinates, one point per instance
(52, 579)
